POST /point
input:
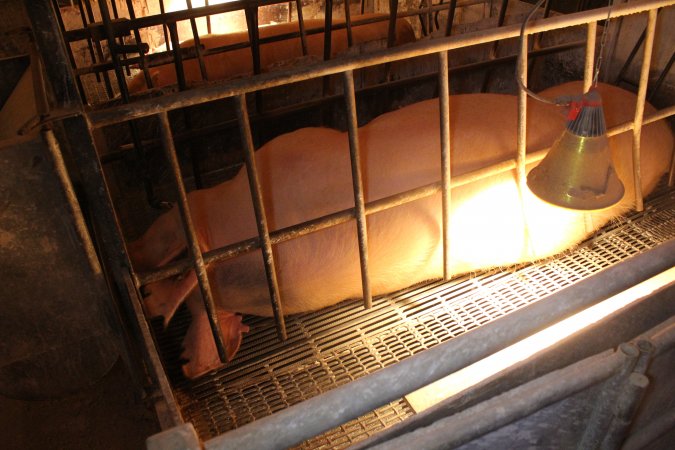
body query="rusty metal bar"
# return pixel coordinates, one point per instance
(89, 44)
(522, 120)
(177, 56)
(444, 99)
(328, 29)
(110, 35)
(99, 50)
(301, 25)
(253, 36)
(191, 234)
(348, 23)
(452, 8)
(116, 15)
(208, 19)
(261, 220)
(495, 44)
(141, 53)
(147, 107)
(69, 50)
(163, 23)
(640, 107)
(198, 47)
(357, 183)
(590, 55)
(393, 14)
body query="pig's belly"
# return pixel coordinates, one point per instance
(487, 229)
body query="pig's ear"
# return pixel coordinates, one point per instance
(232, 329)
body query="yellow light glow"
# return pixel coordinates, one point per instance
(461, 380)
(220, 23)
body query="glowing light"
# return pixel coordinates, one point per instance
(220, 23)
(463, 379)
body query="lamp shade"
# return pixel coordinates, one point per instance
(577, 172)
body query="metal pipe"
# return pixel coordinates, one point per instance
(346, 215)
(371, 391)
(198, 46)
(89, 44)
(99, 50)
(162, 15)
(328, 30)
(444, 100)
(141, 53)
(348, 22)
(147, 107)
(357, 184)
(590, 55)
(452, 8)
(191, 234)
(391, 31)
(264, 241)
(69, 50)
(499, 411)
(301, 25)
(208, 19)
(640, 107)
(626, 406)
(177, 55)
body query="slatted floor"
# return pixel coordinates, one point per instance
(336, 345)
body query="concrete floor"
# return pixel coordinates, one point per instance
(104, 416)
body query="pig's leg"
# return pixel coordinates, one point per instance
(164, 297)
(199, 346)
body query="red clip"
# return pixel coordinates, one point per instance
(575, 109)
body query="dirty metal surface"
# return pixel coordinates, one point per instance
(336, 345)
(55, 337)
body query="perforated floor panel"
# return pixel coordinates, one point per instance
(339, 344)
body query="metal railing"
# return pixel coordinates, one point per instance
(237, 89)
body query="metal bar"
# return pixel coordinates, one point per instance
(301, 25)
(522, 121)
(147, 107)
(346, 215)
(328, 30)
(626, 406)
(495, 44)
(191, 235)
(198, 47)
(662, 76)
(208, 19)
(631, 56)
(99, 50)
(89, 44)
(348, 22)
(162, 12)
(391, 32)
(69, 50)
(141, 53)
(177, 56)
(358, 397)
(452, 8)
(254, 36)
(357, 184)
(116, 15)
(590, 55)
(261, 220)
(110, 34)
(444, 100)
(640, 107)
(461, 428)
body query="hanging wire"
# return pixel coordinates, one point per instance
(561, 101)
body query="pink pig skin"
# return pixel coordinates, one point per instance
(306, 174)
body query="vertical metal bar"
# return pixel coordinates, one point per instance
(162, 11)
(177, 55)
(495, 44)
(631, 56)
(328, 30)
(521, 178)
(444, 99)
(590, 54)
(261, 219)
(452, 8)
(191, 234)
(69, 50)
(359, 202)
(89, 44)
(208, 19)
(110, 34)
(116, 15)
(348, 22)
(141, 54)
(198, 46)
(393, 13)
(253, 36)
(99, 51)
(430, 16)
(640, 107)
(627, 404)
(301, 24)
(662, 76)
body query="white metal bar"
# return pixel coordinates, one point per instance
(590, 54)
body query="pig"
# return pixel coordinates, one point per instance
(306, 174)
(239, 62)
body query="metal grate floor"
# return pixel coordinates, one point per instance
(336, 345)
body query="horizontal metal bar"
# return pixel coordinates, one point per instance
(358, 397)
(340, 217)
(218, 91)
